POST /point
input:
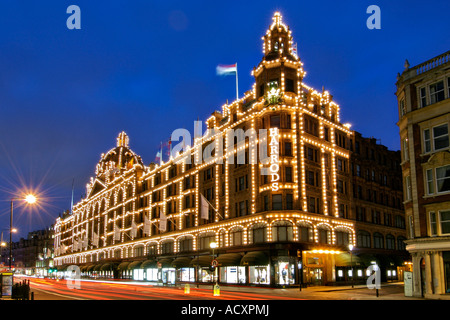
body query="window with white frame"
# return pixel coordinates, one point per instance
(402, 108)
(436, 138)
(433, 226)
(408, 191)
(430, 181)
(440, 137)
(444, 217)
(443, 179)
(439, 223)
(405, 150)
(423, 97)
(437, 92)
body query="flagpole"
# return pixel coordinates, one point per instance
(161, 155)
(237, 90)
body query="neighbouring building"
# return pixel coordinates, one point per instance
(423, 94)
(271, 183)
(33, 255)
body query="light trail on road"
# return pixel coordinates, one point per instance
(98, 290)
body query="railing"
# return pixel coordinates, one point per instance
(432, 63)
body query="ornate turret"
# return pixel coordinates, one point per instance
(280, 69)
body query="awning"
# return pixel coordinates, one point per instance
(367, 259)
(62, 268)
(255, 258)
(229, 259)
(165, 263)
(123, 266)
(201, 261)
(181, 262)
(348, 260)
(108, 266)
(148, 264)
(90, 267)
(97, 267)
(134, 265)
(83, 268)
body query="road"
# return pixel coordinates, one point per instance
(50, 289)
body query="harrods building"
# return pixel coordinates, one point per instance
(283, 216)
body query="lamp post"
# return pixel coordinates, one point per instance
(30, 199)
(350, 247)
(213, 245)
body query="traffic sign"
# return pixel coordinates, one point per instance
(214, 263)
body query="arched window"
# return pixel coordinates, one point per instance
(390, 242)
(400, 243)
(117, 253)
(152, 249)
(236, 236)
(342, 238)
(185, 244)
(139, 251)
(378, 240)
(324, 234)
(304, 232)
(363, 239)
(205, 240)
(167, 247)
(282, 231)
(258, 233)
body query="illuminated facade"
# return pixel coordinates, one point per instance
(276, 214)
(423, 94)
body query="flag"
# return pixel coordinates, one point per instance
(169, 147)
(146, 226)
(85, 241)
(75, 245)
(95, 239)
(226, 70)
(116, 233)
(159, 155)
(294, 49)
(163, 222)
(204, 208)
(130, 163)
(133, 230)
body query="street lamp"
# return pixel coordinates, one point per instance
(213, 245)
(30, 199)
(350, 247)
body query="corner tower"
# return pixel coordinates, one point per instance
(280, 68)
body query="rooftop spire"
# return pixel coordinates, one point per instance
(122, 139)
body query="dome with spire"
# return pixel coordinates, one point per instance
(118, 159)
(278, 40)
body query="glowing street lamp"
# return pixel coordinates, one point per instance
(213, 245)
(30, 199)
(350, 247)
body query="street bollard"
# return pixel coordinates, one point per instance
(32, 295)
(187, 288)
(216, 290)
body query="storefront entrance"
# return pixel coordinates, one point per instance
(314, 276)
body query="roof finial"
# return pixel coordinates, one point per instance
(122, 139)
(277, 18)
